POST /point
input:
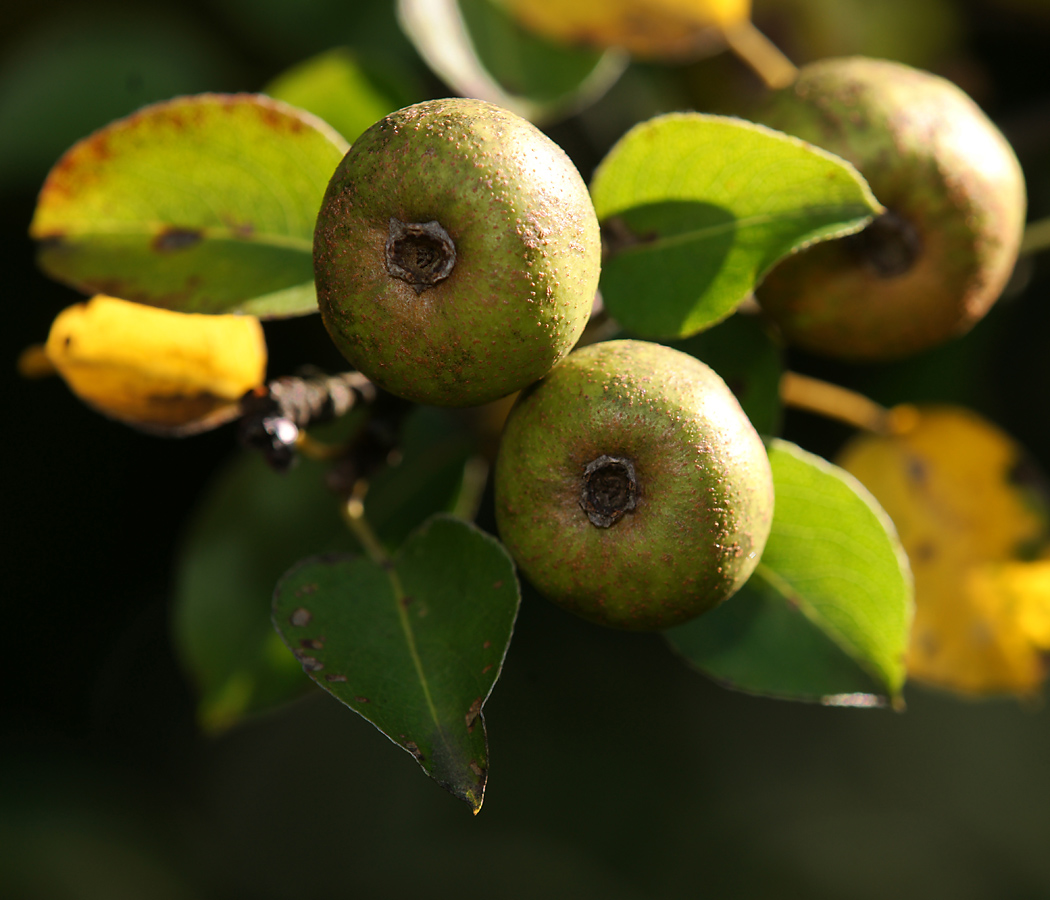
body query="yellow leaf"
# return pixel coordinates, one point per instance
(162, 371)
(956, 488)
(648, 28)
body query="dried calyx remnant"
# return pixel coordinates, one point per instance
(890, 245)
(421, 253)
(609, 490)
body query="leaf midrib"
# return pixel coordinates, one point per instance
(710, 231)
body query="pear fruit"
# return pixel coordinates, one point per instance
(456, 253)
(934, 263)
(630, 487)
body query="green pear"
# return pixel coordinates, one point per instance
(456, 253)
(931, 266)
(631, 488)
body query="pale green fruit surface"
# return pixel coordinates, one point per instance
(527, 253)
(704, 489)
(942, 169)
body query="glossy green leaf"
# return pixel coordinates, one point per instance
(250, 527)
(695, 209)
(415, 645)
(481, 52)
(747, 357)
(200, 204)
(827, 612)
(336, 88)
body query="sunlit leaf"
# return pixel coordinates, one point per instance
(200, 204)
(414, 646)
(336, 88)
(826, 614)
(168, 372)
(696, 208)
(972, 514)
(648, 28)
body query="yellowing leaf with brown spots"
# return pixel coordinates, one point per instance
(647, 28)
(959, 491)
(161, 371)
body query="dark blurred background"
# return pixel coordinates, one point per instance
(615, 771)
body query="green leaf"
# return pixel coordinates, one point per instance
(481, 52)
(200, 204)
(415, 645)
(250, 527)
(748, 359)
(696, 209)
(827, 612)
(336, 88)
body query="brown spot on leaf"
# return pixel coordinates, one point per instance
(413, 748)
(306, 589)
(171, 240)
(476, 769)
(472, 714)
(361, 699)
(335, 678)
(311, 664)
(312, 644)
(300, 617)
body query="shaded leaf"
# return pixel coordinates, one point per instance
(696, 209)
(200, 204)
(972, 512)
(481, 52)
(748, 359)
(336, 88)
(414, 646)
(250, 527)
(827, 611)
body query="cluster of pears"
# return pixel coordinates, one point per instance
(457, 256)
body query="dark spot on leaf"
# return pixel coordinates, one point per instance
(413, 748)
(926, 551)
(473, 713)
(361, 699)
(173, 239)
(310, 664)
(487, 644)
(497, 585)
(917, 471)
(312, 644)
(300, 617)
(486, 669)
(335, 678)
(405, 602)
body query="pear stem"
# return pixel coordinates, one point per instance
(763, 56)
(354, 516)
(834, 402)
(1036, 237)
